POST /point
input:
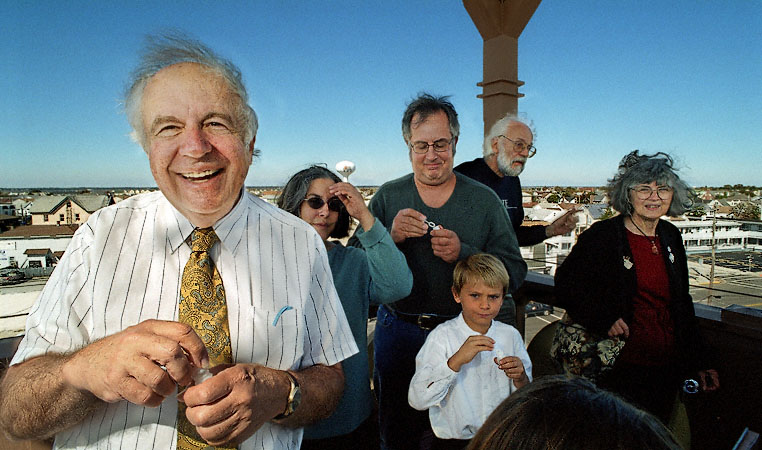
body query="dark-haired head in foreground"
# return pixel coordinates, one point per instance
(555, 412)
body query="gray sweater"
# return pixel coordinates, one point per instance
(474, 213)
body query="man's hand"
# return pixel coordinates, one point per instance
(563, 224)
(619, 328)
(408, 223)
(467, 352)
(446, 244)
(236, 402)
(514, 369)
(128, 365)
(239, 399)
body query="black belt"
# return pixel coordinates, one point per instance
(423, 321)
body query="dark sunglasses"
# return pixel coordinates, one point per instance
(334, 204)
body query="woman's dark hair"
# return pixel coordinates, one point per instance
(556, 412)
(635, 169)
(294, 192)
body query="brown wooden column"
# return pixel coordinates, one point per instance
(500, 23)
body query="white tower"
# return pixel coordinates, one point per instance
(345, 168)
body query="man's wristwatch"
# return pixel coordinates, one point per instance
(294, 398)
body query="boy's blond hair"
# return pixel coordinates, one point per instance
(480, 267)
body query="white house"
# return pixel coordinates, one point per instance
(34, 245)
(729, 235)
(545, 256)
(23, 207)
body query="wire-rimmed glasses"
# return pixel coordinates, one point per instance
(644, 192)
(440, 145)
(519, 146)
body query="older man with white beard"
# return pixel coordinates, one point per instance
(507, 147)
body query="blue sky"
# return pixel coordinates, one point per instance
(330, 80)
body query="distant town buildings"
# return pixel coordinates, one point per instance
(729, 235)
(55, 216)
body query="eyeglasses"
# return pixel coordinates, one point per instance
(334, 204)
(440, 145)
(520, 146)
(644, 192)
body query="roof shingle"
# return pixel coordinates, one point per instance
(40, 230)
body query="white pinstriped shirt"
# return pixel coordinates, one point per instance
(125, 265)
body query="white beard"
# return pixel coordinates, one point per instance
(505, 165)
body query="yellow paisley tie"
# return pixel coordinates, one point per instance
(202, 306)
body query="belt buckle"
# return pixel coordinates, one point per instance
(421, 318)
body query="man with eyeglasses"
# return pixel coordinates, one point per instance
(436, 217)
(507, 147)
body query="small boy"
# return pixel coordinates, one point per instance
(471, 363)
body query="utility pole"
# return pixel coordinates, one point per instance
(711, 270)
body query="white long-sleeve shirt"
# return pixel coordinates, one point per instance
(459, 402)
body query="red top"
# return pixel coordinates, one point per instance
(652, 334)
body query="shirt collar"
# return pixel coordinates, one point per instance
(178, 227)
(462, 324)
(229, 229)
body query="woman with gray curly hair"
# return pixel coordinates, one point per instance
(627, 276)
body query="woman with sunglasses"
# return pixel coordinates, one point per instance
(376, 274)
(627, 276)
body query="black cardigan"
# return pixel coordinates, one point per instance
(596, 288)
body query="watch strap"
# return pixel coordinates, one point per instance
(294, 398)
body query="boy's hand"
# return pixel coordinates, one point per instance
(514, 369)
(469, 349)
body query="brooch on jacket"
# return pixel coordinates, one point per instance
(627, 263)
(671, 256)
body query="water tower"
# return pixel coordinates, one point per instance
(345, 168)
